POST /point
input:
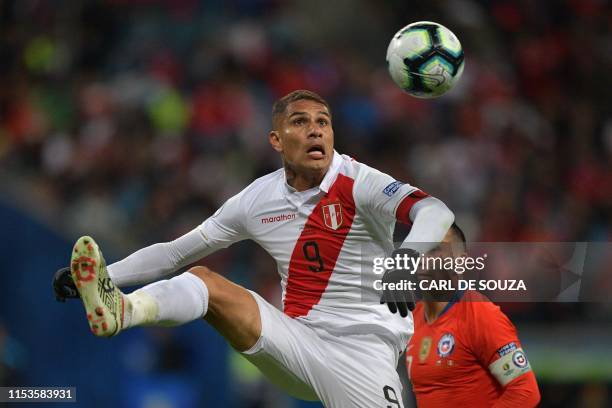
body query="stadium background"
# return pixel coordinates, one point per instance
(133, 121)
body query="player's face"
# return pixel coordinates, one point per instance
(443, 250)
(448, 248)
(304, 137)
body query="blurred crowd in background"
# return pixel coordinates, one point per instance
(133, 121)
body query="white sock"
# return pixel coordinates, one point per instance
(171, 302)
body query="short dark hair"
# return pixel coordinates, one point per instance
(280, 106)
(459, 235)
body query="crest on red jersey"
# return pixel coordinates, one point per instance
(332, 216)
(446, 345)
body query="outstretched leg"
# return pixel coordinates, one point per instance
(229, 308)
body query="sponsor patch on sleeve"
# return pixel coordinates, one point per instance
(392, 188)
(511, 365)
(508, 348)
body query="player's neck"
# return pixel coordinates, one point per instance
(433, 309)
(303, 181)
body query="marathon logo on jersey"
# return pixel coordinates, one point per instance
(392, 188)
(332, 215)
(508, 348)
(446, 345)
(278, 218)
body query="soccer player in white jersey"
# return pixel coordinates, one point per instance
(314, 216)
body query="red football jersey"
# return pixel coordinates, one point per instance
(466, 356)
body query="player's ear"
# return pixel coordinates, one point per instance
(275, 141)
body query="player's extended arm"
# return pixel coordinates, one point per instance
(385, 197)
(521, 392)
(145, 265)
(222, 229)
(159, 260)
(430, 219)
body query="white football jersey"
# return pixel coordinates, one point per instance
(318, 237)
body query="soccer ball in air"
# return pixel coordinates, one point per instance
(425, 59)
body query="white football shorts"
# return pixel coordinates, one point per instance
(340, 370)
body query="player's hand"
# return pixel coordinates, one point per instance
(63, 285)
(399, 300)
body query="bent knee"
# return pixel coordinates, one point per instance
(220, 289)
(212, 280)
(232, 310)
(204, 273)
